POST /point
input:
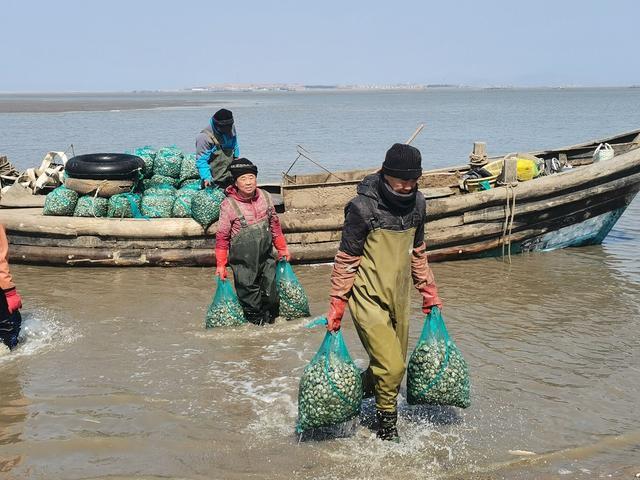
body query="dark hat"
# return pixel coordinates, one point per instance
(223, 120)
(223, 117)
(402, 161)
(240, 166)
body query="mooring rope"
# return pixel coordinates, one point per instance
(509, 215)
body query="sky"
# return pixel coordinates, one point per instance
(116, 45)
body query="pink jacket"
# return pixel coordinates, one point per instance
(254, 211)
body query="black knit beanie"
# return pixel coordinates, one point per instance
(240, 166)
(223, 120)
(403, 161)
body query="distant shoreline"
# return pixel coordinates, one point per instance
(66, 102)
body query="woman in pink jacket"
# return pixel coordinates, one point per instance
(248, 229)
(10, 301)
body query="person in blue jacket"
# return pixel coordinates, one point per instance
(216, 147)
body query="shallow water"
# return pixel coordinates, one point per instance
(117, 377)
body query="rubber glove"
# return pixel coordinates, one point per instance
(284, 254)
(14, 302)
(281, 246)
(336, 312)
(430, 298)
(222, 256)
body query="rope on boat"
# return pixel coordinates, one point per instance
(509, 214)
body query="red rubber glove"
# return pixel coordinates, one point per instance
(336, 312)
(430, 298)
(222, 256)
(284, 254)
(14, 302)
(281, 246)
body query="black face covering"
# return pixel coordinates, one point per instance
(401, 203)
(224, 126)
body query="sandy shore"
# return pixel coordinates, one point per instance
(59, 103)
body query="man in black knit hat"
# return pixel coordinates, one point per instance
(216, 147)
(382, 241)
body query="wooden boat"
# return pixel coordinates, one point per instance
(575, 207)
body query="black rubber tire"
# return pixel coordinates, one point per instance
(104, 166)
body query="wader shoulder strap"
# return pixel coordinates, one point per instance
(212, 138)
(270, 207)
(236, 208)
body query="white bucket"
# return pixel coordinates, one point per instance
(603, 152)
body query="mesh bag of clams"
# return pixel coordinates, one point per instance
(161, 189)
(156, 205)
(182, 206)
(168, 162)
(188, 169)
(205, 205)
(437, 373)
(330, 389)
(147, 154)
(225, 309)
(293, 299)
(156, 180)
(125, 205)
(61, 201)
(91, 206)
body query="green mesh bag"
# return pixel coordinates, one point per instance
(161, 189)
(157, 205)
(205, 206)
(189, 182)
(147, 154)
(188, 170)
(182, 205)
(168, 162)
(90, 206)
(156, 180)
(61, 201)
(330, 389)
(125, 205)
(293, 299)
(437, 373)
(225, 309)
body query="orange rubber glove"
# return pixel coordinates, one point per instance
(14, 302)
(222, 256)
(430, 297)
(336, 312)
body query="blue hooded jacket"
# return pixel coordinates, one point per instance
(205, 147)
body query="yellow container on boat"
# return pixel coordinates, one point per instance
(527, 169)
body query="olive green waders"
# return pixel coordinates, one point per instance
(254, 268)
(219, 162)
(379, 305)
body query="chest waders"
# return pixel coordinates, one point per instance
(380, 308)
(219, 162)
(254, 268)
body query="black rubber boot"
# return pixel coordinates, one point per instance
(368, 389)
(257, 318)
(10, 329)
(387, 429)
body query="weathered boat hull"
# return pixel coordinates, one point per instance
(572, 208)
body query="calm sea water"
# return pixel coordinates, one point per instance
(118, 378)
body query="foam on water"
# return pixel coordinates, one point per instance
(41, 331)
(278, 328)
